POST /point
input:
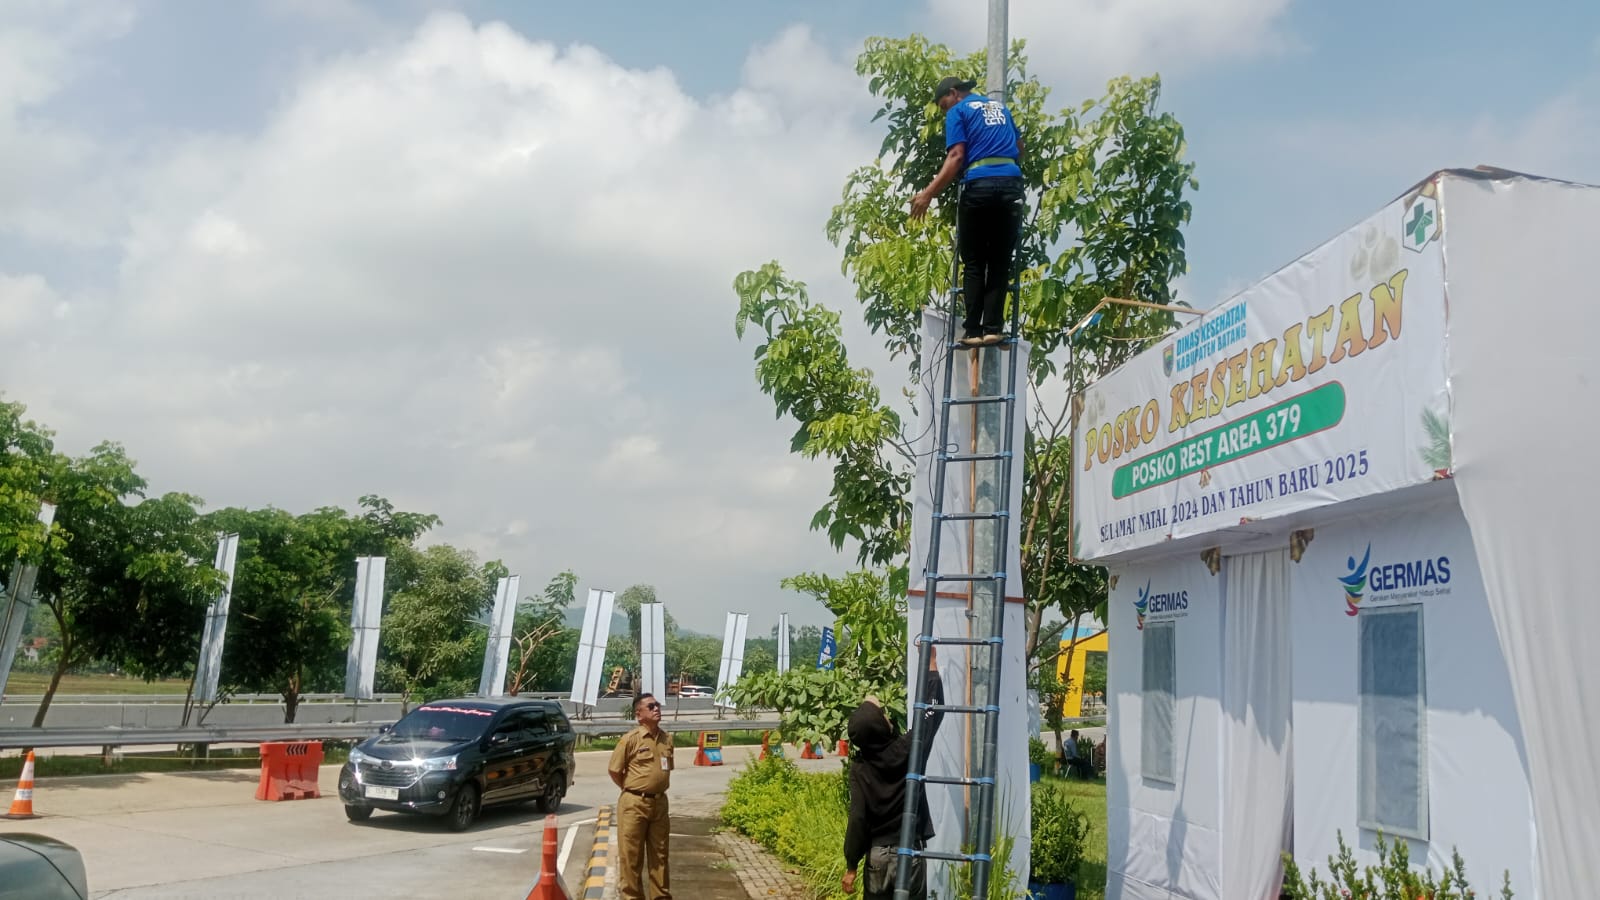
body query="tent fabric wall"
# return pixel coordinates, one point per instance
(1476, 778)
(1257, 692)
(1164, 839)
(1519, 269)
(949, 755)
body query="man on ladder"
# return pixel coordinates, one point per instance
(983, 147)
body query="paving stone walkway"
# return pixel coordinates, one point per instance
(708, 864)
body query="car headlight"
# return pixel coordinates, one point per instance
(357, 757)
(438, 764)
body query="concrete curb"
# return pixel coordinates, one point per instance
(594, 883)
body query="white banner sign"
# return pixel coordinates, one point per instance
(1324, 383)
(16, 601)
(366, 612)
(783, 642)
(653, 648)
(497, 653)
(732, 665)
(209, 676)
(592, 647)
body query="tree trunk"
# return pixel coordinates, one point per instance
(62, 664)
(291, 699)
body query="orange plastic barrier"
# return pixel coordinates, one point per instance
(289, 770)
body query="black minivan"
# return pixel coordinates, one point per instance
(452, 757)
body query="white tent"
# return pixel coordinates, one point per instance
(1343, 582)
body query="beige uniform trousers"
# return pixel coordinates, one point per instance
(642, 831)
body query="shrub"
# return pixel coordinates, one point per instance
(798, 816)
(1060, 833)
(1039, 754)
(1392, 877)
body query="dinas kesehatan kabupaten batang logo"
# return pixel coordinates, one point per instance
(1355, 583)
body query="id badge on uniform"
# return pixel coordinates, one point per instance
(666, 763)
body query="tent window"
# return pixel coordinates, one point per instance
(1393, 709)
(1160, 701)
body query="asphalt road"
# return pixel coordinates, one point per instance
(205, 835)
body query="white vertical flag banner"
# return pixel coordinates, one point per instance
(18, 602)
(209, 676)
(783, 642)
(653, 648)
(592, 647)
(366, 612)
(732, 656)
(497, 652)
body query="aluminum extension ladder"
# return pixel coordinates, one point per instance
(983, 782)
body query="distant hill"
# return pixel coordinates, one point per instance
(573, 618)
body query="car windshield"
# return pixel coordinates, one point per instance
(443, 723)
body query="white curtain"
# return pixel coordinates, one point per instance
(1257, 810)
(1523, 435)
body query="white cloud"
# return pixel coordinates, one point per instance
(1090, 41)
(484, 276)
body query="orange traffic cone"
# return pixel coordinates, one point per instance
(22, 804)
(549, 885)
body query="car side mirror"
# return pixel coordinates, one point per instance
(498, 738)
(384, 729)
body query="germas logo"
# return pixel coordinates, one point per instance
(1150, 604)
(1389, 578)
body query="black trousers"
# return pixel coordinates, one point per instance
(989, 220)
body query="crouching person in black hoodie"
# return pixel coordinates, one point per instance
(877, 794)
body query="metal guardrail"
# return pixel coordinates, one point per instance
(246, 699)
(15, 738)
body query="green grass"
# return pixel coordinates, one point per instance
(1090, 797)
(800, 818)
(153, 761)
(38, 682)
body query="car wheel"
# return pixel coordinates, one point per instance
(465, 809)
(553, 795)
(357, 813)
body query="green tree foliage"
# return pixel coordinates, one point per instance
(543, 651)
(125, 582)
(27, 458)
(1106, 181)
(294, 582)
(870, 626)
(433, 636)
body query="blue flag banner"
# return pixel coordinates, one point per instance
(826, 651)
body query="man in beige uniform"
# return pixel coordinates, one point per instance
(642, 766)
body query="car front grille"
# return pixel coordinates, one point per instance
(396, 776)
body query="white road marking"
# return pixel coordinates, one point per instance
(500, 850)
(566, 844)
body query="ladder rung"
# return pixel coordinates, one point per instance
(972, 516)
(955, 708)
(970, 576)
(986, 398)
(964, 641)
(973, 457)
(949, 779)
(940, 854)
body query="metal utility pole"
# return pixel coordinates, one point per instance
(999, 44)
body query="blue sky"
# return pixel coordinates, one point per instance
(293, 251)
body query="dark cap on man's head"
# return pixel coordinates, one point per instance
(951, 83)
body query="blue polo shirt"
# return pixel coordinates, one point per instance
(985, 126)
